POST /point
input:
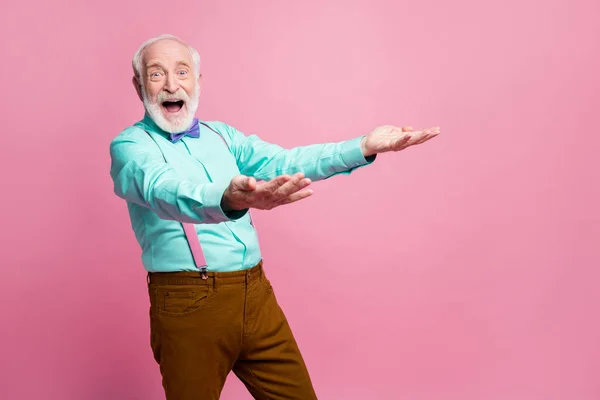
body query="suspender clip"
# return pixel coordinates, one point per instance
(203, 273)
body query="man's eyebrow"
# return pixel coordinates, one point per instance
(154, 64)
(184, 63)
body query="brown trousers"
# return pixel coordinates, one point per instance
(203, 329)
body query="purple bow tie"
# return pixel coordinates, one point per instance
(193, 131)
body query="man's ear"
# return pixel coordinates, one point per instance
(138, 87)
(199, 82)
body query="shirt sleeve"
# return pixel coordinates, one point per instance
(141, 176)
(265, 161)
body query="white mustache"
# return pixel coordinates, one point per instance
(179, 96)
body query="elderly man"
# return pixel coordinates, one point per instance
(189, 186)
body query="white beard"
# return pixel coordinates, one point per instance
(178, 123)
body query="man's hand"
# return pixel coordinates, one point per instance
(244, 192)
(392, 138)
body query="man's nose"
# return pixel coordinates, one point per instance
(171, 84)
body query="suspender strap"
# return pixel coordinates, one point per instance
(189, 229)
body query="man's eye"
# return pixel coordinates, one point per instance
(156, 74)
(182, 72)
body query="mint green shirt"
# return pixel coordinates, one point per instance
(189, 185)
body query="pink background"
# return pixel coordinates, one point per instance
(466, 268)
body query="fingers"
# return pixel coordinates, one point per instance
(295, 184)
(423, 139)
(426, 135)
(281, 190)
(273, 184)
(401, 142)
(419, 137)
(297, 196)
(408, 137)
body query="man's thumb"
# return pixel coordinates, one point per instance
(245, 183)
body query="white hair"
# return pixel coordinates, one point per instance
(138, 58)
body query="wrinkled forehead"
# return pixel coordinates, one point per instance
(168, 54)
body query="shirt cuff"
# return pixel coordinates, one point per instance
(352, 154)
(213, 196)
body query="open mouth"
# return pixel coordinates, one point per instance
(173, 106)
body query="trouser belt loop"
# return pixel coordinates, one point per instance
(216, 282)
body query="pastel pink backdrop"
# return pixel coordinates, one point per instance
(466, 268)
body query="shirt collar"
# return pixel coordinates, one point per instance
(148, 124)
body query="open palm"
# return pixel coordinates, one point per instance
(392, 138)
